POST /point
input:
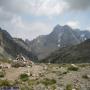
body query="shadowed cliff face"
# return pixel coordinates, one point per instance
(74, 54)
(9, 48)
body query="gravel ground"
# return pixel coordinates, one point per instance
(78, 80)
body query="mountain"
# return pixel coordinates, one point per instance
(61, 36)
(74, 54)
(22, 43)
(10, 47)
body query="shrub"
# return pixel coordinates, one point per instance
(71, 68)
(5, 60)
(4, 83)
(82, 65)
(85, 76)
(2, 74)
(65, 72)
(24, 77)
(33, 82)
(69, 87)
(47, 82)
(53, 87)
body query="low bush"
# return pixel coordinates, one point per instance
(24, 77)
(33, 82)
(71, 68)
(47, 82)
(53, 87)
(2, 74)
(68, 87)
(85, 76)
(4, 83)
(65, 72)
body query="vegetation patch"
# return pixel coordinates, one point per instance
(53, 87)
(48, 82)
(69, 87)
(65, 72)
(71, 68)
(4, 83)
(24, 77)
(4, 60)
(33, 82)
(85, 76)
(2, 74)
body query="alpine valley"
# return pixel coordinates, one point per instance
(63, 42)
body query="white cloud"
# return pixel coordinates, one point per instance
(73, 24)
(49, 7)
(11, 15)
(88, 28)
(22, 29)
(18, 27)
(35, 7)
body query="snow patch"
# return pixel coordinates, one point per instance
(59, 45)
(83, 37)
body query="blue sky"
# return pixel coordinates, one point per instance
(31, 18)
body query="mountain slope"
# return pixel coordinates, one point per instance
(9, 48)
(22, 43)
(74, 54)
(61, 36)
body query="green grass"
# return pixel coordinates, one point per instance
(71, 68)
(24, 77)
(4, 83)
(53, 87)
(2, 74)
(69, 87)
(45, 82)
(5, 60)
(33, 82)
(48, 82)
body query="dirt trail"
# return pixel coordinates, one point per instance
(13, 73)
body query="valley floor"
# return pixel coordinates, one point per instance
(49, 77)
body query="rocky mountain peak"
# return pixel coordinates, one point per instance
(5, 34)
(57, 26)
(67, 27)
(61, 36)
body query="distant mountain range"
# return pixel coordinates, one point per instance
(61, 36)
(11, 47)
(74, 54)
